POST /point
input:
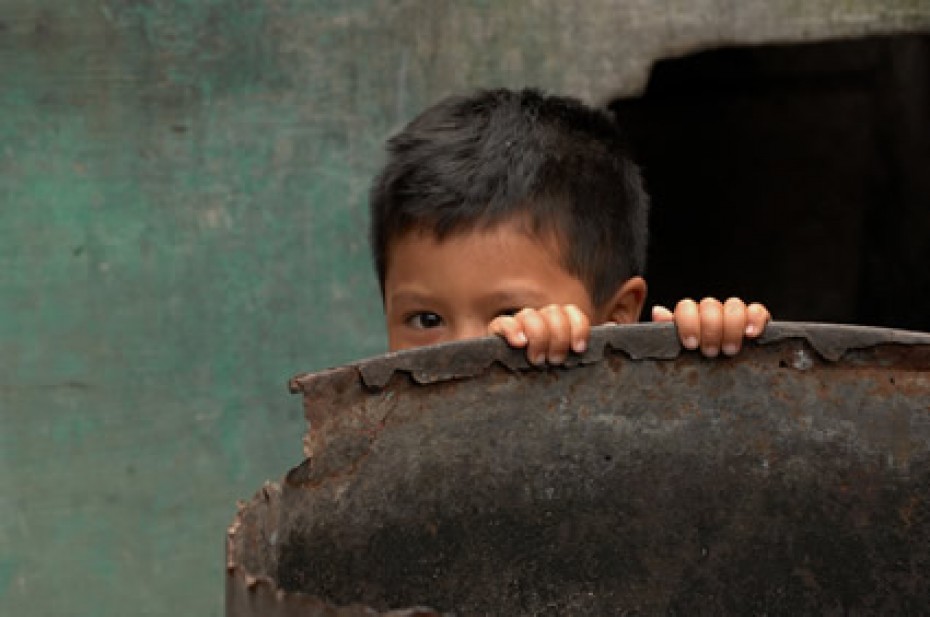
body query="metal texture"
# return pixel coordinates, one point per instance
(793, 479)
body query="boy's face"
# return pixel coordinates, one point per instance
(449, 290)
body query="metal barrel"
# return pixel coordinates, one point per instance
(639, 479)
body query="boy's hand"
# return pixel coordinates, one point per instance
(548, 333)
(551, 332)
(715, 327)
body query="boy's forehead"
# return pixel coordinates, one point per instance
(514, 232)
(486, 255)
(479, 270)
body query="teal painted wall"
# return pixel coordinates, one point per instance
(182, 228)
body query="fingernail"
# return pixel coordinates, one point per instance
(730, 350)
(556, 359)
(539, 360)
(750, 330)
(712, 352)
(580, 346)
(520, 338)
(691, 342)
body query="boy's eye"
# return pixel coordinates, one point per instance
(424, 320)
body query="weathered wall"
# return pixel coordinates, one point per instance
(182, 212)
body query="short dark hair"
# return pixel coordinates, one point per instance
(476, 161)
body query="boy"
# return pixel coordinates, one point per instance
(520, 214)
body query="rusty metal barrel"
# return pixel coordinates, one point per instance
(638, 479)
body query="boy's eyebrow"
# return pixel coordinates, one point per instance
(519, 297)
(410, 297)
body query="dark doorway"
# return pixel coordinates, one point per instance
(797, 175)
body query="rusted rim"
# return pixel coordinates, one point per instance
(469, 359)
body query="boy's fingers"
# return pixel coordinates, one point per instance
(547, 334)
(510, 329)
(662, 314)
(688, 323)
(580, 326)
(734, 326)
(757, 316)
(711, 326)
(560, 332)
(537, 335)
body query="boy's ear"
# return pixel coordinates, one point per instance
(627, 302)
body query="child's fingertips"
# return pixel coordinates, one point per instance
(757, 314)
(661, 313)
(580, 346)
(730, 349)
(519, 339)
(690, 342)
(751, 330)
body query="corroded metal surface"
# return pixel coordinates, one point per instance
(792, 479)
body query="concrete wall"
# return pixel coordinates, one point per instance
(182, 216)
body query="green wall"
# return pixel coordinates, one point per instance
(182, 228)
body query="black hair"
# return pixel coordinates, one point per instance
(473, 162)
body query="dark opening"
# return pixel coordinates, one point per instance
(797, 175)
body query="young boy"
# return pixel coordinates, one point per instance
(521, 215)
